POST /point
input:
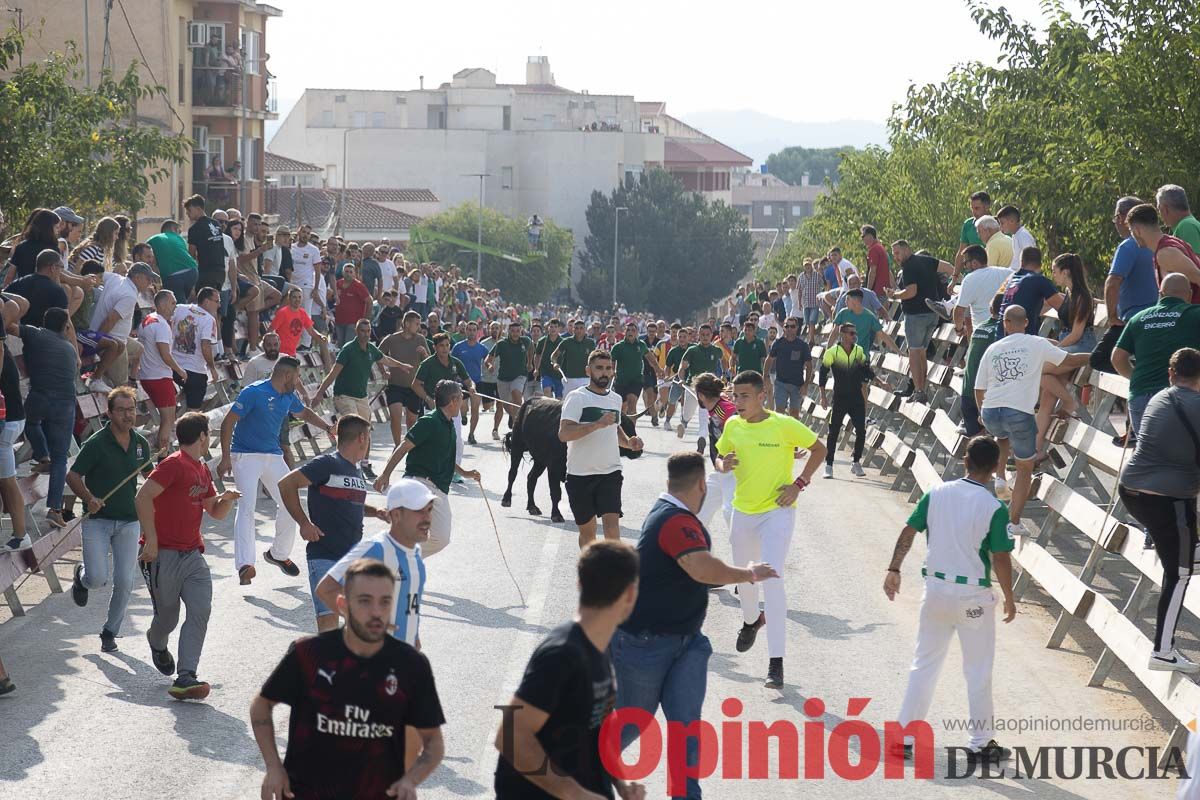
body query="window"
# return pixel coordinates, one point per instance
(339, 98)
(508, 118)
(272, 96)
(797, 211)
(435, 118)
(307, 181)
(326, 119)
(401, 100)
(200, 137)
(506, 177)
(358, 119)
(252, 51)
(766, 210)
(216, 149)
(378, 119)
(331, 175)
(247, 153)
(287, 180)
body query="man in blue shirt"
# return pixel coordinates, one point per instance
(1031, 290)
(1131, 285)
(471, 352)
(337, 494)
(250, 451)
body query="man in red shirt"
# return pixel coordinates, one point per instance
(879, 276)
(353, 304)
(291, 322)
(170, 506)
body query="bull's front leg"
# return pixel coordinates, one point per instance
(535, 472)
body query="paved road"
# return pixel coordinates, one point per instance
(87, 725)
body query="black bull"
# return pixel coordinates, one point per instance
(535, 433)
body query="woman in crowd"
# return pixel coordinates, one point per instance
(1078, 335)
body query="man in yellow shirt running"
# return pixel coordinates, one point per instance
(759, 447)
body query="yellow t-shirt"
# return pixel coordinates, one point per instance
(999, 250)
(766, 453)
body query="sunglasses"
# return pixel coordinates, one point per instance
(789, 326)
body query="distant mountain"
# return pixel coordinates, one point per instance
(758, 135)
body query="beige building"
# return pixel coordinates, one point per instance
(210, 55)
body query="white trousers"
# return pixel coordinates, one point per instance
(969, 611)
(571, 384)
(307, 303)
(249, 469)
(691, 406)
(720, 487)
(439, 528)
(458, 438)
(766, 538)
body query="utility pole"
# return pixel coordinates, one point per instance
(616, 239)
(479, 227)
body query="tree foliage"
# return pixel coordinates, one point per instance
(62, 144)
(677, 251)
(533, 282)
(821, 164)
(1072, 116)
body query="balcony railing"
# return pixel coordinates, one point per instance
(216, 86)
(219, 194)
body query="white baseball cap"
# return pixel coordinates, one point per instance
(410, 494)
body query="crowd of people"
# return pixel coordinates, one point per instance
(163, 313)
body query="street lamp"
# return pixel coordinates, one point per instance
(479, 227)
(616, 232)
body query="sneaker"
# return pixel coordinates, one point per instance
(163, 661)
(108, 641)
(680, 429)
(368, 473)
(288, 566)
(856, 470)
(961, 429)
(55, 517)
(246, 574)
(992, 752)
(774, 674)
(496, 434)
(79, 592)
(6, 686)
(906, 391)
(700, 445)
(748, 633)
(654, 422)
(1015, 529)
(99, 385)
(939, 307)
(1002, 490)
(829, 470)
(186, 687)
(471, 439)
(1174, 661)
(918, 397)
(19, 543)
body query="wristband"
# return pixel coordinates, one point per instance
(894, 570)
(800, 481)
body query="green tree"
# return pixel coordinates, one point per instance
(821, 164)
(63, 144)
(677, 252)
(530, 282)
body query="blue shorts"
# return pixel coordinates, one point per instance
(317, 567)
(555, 384)
(786, 394)
(812, 316)
(89, 341)
(919, 328)
(1018, 427)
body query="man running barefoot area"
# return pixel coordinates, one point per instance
(759, 447)
(352, 693)
(593, 451)
(250, 451)
(966, 528)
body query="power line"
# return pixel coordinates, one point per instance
(149, 69)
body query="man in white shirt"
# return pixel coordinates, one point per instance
(845, 268)
(158, 367)
(593, 451)
(973, 305)
(1007, 387)
(195, 336)
(1009, 218)
(306, 267)
(112, 317)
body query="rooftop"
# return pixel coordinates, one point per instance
(317, 207)
(273, 162)
(690, 151)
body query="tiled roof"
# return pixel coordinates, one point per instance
(394, 195)
(273, 162)
(690, 151)
(317, 206)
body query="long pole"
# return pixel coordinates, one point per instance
(245, 156)
(342, 195)
(616, 238)
(479, 239)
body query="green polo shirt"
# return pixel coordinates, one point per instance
(432, 456)
(1188, 229)
(750, 354)
(573, 355)
(511, 357)
(675, 358)
(544, 350)
(171, 253)
(431, 370)
(356, 369)
(866, 323)
(701, 359)
(969, 234)
(630, 358)
(103, 463)
(981, 338)
(1152, 336)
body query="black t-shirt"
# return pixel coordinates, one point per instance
(346, 732)
(42, 293)
(388, 321)
(922, 271)
(206, 236)
(10, 387)
(791, 359)
(573, 682)
(25, 255)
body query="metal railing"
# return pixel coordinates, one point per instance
(216, 86)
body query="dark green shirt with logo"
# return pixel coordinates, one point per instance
(702, 358)
(750, 354)
(431, 371)
(511, 357)
(432, 456)
(356, 369)
(573, 355)
(630, 357)
(1152, 336)
(103, 463)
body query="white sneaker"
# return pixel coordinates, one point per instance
(1002, 490)
(99, 385)
(941, 308)
(1016, 529)
(1172, 662)
(857, 470)
(19, 544)
(680, 430)
(829, 470)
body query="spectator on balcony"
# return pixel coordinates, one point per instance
(216, 172)
(175, 264)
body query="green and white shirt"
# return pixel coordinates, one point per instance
(964, 524)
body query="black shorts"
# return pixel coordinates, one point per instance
(649, 379)
(210, 279)
(193, 389)
(594, 496)
(405, 396)
(489, 389)
(625, 390)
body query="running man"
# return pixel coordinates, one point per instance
(568, 689)
(759, 447)
(158, 367)
(441, 366)
(170, 507)
(966, 529)
(571, 357)
(511, 357)
(681, 340)
(337, 506)
(719, 486)
(851, 372)
(655, 339)
(250, 451)
(352, 693)
(543, 355)
(471, 352)
(407, 346)
(697, 359)
(632, 357)
(593, 454)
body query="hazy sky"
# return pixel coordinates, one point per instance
(805, 61)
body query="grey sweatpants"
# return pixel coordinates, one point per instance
(175, 576)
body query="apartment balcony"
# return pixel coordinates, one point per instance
(220, 92)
